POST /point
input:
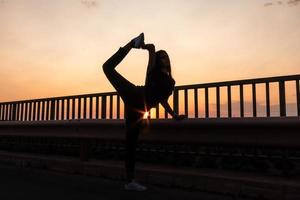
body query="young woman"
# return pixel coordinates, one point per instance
(140, 99)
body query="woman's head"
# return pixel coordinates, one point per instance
(163, 62)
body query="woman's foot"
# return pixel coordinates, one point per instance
(138, 41)
(135, 186)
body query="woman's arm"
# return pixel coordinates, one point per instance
(168, 108)
(152, 57)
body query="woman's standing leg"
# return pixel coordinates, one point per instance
(133, 126)
(130, 156)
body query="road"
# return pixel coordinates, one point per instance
(27, 183)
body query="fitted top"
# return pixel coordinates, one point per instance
(159, 86)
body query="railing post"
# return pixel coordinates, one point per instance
(52, 109)
(57, 109)
(175, 101)
(268, 99)
(186, 103)
(298, 97)
(282, 99)
(68, 108)
(241, 100)
(97, 107)
(91, 108)
(229, 101)
(10, 112)
(43, 113)
(73, 108)
(34, 110)
(79, 108)
(218, 101)
(1, 110)
(157, 111)
(103, 107)
(196, 102)
(111, 106)
(62, 109)
(254, 99)
(206, 103)
(14, 112)
(26, 111)
(48, 110)
(30, 111)
(39, 110)
(84, 108)
(21, 111)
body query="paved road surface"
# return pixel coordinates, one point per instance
(20, 183)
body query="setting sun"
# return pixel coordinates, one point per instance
(146, 115)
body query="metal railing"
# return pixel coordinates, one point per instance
(241, 84)
(110, 106)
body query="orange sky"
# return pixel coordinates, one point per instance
(55, 48)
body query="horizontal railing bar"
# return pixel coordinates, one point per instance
(239, 82)
(64, 97)
(182, 87)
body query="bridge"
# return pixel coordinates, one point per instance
(240, 134)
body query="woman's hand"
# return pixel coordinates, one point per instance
(179, 117)
(167, 107)
(148, 46)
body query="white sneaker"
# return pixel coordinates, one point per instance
(133, 185)
(138, 41)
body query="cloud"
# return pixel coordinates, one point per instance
(3, 1)
(89, 3)
(293, 2)
(268, 4)
(286, 2)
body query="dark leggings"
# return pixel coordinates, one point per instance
(133, 98)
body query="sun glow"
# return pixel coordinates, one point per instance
(146, 115)
(57, 48)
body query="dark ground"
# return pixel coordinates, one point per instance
(26, 183)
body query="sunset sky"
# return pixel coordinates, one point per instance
(57, 47)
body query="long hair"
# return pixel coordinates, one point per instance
(159, 65)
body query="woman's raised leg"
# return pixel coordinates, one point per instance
(121, 84)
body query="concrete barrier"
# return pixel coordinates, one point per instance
(276, 131)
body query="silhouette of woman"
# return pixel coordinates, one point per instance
(158, 87)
